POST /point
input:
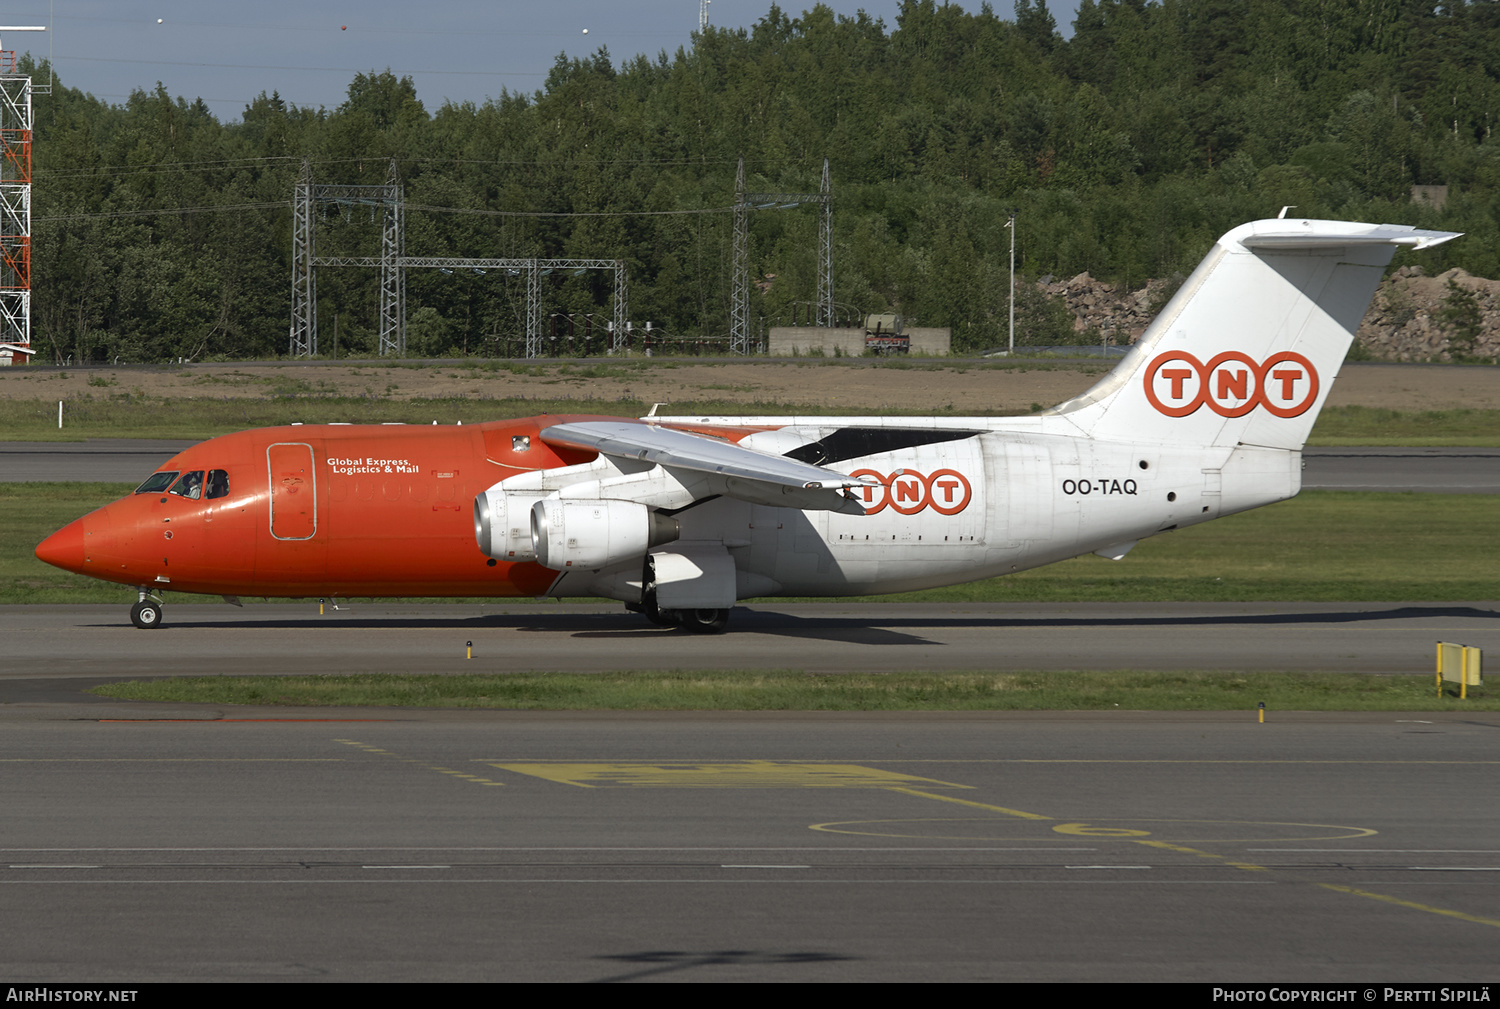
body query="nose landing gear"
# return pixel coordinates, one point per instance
(146, 613)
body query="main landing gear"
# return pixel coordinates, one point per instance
(146, 613)
(697, 621)
(704, 621)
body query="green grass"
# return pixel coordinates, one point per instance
(796, 691)
(1363, 425)
(1331, 546)
(131, 415)
(35, 511)
(1322, 546)
(127, 415)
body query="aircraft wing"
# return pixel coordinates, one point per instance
(732, 470)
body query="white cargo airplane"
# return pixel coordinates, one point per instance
(680, 517)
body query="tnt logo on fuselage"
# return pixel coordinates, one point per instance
(1231, 384)
(945, 491)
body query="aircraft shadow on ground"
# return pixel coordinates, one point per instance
(599, 626)
(654, 963)
(878, 629)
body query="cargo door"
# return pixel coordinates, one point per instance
(294, 493)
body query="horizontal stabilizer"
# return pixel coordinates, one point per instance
(1301, 235)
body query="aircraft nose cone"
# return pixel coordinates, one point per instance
(64, 548)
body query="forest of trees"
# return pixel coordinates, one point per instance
(1124, 150)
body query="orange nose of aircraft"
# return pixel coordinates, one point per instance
(64, 548)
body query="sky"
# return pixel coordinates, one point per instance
(454, 50)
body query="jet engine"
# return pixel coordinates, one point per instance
(595, 534)
(502, 525)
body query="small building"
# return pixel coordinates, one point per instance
(10, 353)
(818, 341)
(1435, 197)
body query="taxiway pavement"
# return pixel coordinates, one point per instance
(275, 845)
(55, 642)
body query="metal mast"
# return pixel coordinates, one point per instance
(304, 339)
(1011, 224)
(15, 199)
(739, 296)
(622, 303)
(392, 276)
(825, 253)
(534, 309)
(304, 334)
(393, 262)
(703, 15)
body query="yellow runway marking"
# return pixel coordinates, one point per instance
(1247, 866)
(740, 774)
(1179, 832)
(1088, 830)
(429, 767)
(776, 774)
(969, 802)
(1411, 904)
(1132, 836)
(928, 828)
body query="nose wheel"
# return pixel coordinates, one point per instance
(146, 614)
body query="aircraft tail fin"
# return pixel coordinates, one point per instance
(1246, 351)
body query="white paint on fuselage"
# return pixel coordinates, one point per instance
(1038, 494)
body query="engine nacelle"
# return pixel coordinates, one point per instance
(502, 525)
(595, 534)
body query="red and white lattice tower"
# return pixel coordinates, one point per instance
(15, 204)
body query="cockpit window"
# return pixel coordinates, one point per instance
(190, 485)
(218, 484)
(157, 482)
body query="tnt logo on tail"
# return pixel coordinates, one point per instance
(1231, 384)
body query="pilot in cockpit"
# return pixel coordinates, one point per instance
(190, 486)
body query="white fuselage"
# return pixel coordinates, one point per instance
(1013, 494)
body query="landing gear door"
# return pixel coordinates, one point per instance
(694, 576)
(294, 492)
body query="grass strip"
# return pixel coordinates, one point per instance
(1322, 546)
(1362, 425)
(127, 415)
(786, 690)
(132, 415)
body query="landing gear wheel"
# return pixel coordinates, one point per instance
(664, 618)
(648, 607)
(704, 621)
(146, 614)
